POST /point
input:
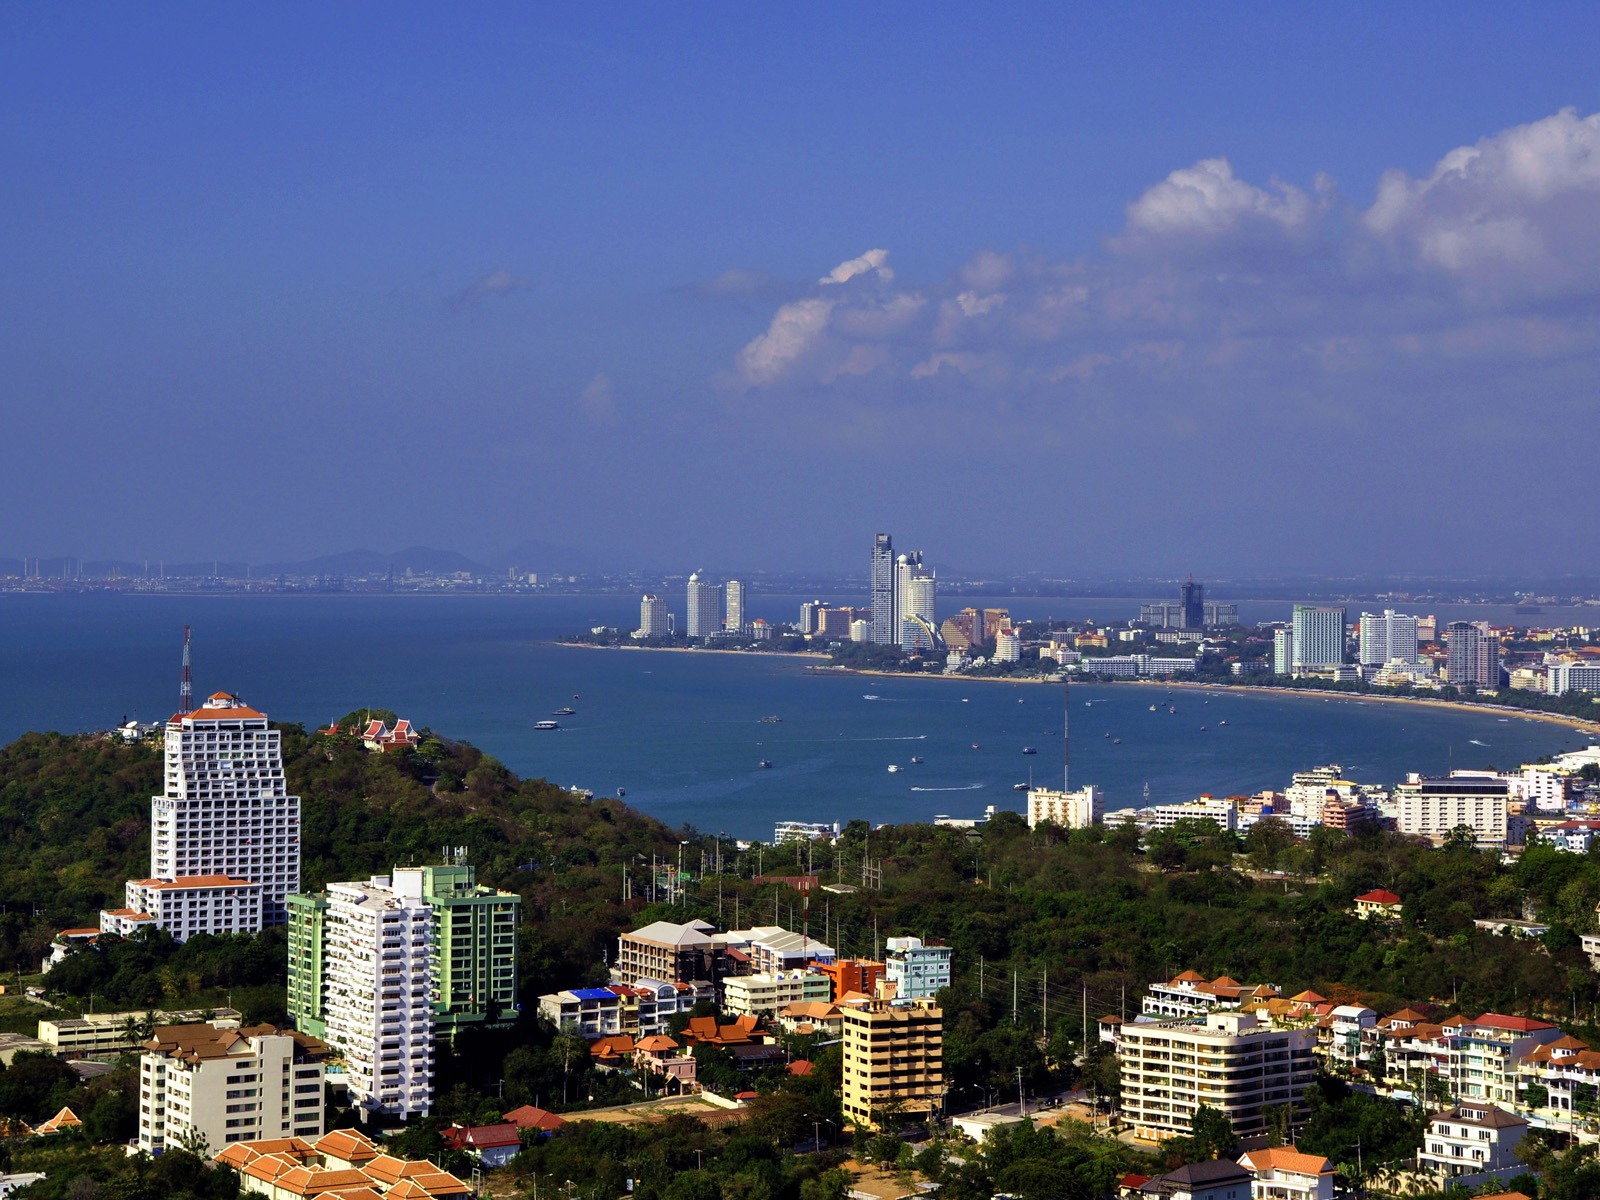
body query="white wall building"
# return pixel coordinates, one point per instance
(1473, 655)
(1386, 636)
(1284, 1173)
(1431, 808)
(653, 619)
(916, 970)
(1282, 652)
(1567, 677)
(1070, 810)
(762, 995)
(224, 829)
(914, 602)
(1473, 1144)
(215, 1083)
(1007, 646)
(705, 607)
(735, 618)
(379, 1014)
(1318, 640)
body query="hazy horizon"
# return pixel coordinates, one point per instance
(1091, 293)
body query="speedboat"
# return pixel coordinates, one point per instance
(1019, 787)
(1029, 750)
(546, 726)
(893, 767)
(565, 712)
(764, 764)
(915, 759)
(869, 696)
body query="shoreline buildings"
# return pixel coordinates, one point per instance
(1317, 637)
(705, 612)
(885, 617)
(224, 832)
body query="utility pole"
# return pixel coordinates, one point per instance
(1086, 1019)
(1013, 995)
(1044, 993)
(1022, 1104)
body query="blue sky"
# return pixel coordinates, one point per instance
(1116, 289)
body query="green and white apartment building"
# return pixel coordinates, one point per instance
(380, 969)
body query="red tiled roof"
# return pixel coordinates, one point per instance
(1379, 896)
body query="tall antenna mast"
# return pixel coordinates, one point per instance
(186, 688)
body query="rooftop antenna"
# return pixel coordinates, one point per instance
(186, 688)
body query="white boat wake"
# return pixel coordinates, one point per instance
(1476, 742)
(971, 787)
(908, 737)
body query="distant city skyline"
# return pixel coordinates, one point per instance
(1086, 291)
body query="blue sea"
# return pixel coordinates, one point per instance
(681, 733)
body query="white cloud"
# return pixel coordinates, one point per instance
(872, 260)
(795, 329)
(1208, 198)
(494, 284)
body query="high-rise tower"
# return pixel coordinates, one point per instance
(1194, 605)
(705, 607)
(914, 603)
(885, 616)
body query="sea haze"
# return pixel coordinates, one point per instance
(681, 733)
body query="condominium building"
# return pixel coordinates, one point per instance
(1472, 655)
(367, 988)
(893, 1054)
(1069, 810)
(674, 953)
(224, 833)
(762, 995)
(705, 607)
(735, 618)
(654, 621)
(109, 1034)
(916, 970)
(474, 957)
(1567, 677)
(848, 975)
(1472, 1144)
(914, 603)
(1431, 808)
(1283, 652)
(638, 1010)
(205, 1085)
(885, 616)
(1318, 636)
(1227, 1061)
(1386, 636)
(772, 948)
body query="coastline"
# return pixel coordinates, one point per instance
(695, 650)
(1591, 728)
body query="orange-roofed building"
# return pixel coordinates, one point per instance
(851, 975)
(64, 1120)
(347, 1147)
(529, 1117)
(1284, 1173)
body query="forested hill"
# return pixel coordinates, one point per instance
(74, 824)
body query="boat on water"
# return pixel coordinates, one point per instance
(893, 767)
(1172, 708)
(1029, 750)
(1019, 787)
(772, 720)
(1224, 721)
(915, 759)
(870, 696)
(1152, 708)
(546, 726)
(1116, 741)
(975, 745)
(582, 793)
(764, 764)
(565, 712)
(621, 792)
(1202, 729)
(963, 700)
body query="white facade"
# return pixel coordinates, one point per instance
(1282, 652)
(914, 602)
(1387, 636)
(735, 618)
(1007, 646)
(1472, 1144)
(915, 969)
(1284, 1173)
(653, 619)
(705, 607)
(1431, 808)
(1164, 816)
(379, 1015)
(1318, 636)
(763, 995)
(1070, 810)
(224, 827)
(217, 1084)
(1567, 677)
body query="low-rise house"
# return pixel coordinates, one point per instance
(527, 1117)
(67, 942)
(1284, 1173)
(107, 1034)
(343, 1165)
(492, 1145)
(1378, 903)
(818, 1017)
(1217, 1179)
(763, 994)
(664, 1056)
(62, 1122)
(1472, 1144)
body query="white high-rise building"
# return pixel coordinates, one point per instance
(1473, 651)
(1567, 677)
(1318, 636)
(379, 940)
(1282, 652)
(885, 618)
(1007, 645)
(1069, 810)
(653, 617)
(914, 594)
(735, 596)
(1387, 636)
(705, 607)
(224, 833)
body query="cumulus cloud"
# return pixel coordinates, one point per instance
(873, 260)
(796, 327)
(1208, 198)
(493, 285)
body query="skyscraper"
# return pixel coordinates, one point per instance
(885, 619)
(224, 833)
(1194, 605)
(914, 603)
(705, 607)
(735, 592)
(1387, 636)
(1473, 655)
(1282, 652)
(653, 617)
(1318, 636)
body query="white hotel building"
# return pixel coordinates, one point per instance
(224, 833)
(379, 1012)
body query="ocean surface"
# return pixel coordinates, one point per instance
(681, 733)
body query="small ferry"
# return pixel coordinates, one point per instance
(546, 726)
(765, 764)
(1019, 787)
(1029, 750)
(565, 712)
(893, 767)
(916, 759)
